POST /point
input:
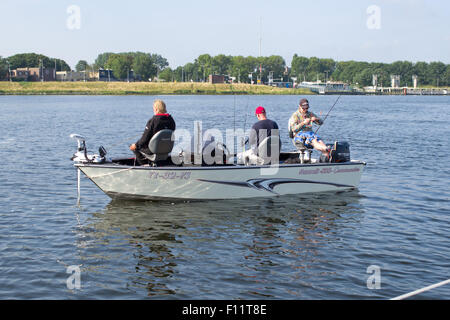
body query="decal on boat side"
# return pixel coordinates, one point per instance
(170, 175)
(269, 184)
(327, 170)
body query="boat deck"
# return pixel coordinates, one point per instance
(285, 158)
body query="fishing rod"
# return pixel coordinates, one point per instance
(323, 121)
(234, 109)
(245, 121)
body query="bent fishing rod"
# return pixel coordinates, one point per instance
(323, 121)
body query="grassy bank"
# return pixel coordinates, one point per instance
(137, 88)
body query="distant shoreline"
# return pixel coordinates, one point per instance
(142, 88)
(176, 88)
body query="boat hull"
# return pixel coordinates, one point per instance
(221, 182)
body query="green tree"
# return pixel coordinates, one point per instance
(190, 72)
(120, 64)
(275, 64)
(382, 72)
(447, 76)
(178, 74)
(61, 65)
(166, 75)
(347, 70)
(363, 78)
(81, 65)
(298, 67)
(420, 69)
(204, 64)
(3, 69)
(102, 59)
(144, 66)
(437, 73)
(221, 64)
(33, 60)
(241, 67)
(160, 62)
(404, 69)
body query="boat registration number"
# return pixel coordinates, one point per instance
(170, 175)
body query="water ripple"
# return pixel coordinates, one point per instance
(291, 247)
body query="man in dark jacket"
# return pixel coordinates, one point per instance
(161, 120)
(263, 128)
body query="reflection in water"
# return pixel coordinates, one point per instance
(290, 236)
(207, 249)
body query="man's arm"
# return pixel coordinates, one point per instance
(146, 136)
(252, 139)
(316, 119)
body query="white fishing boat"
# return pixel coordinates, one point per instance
(165, 178)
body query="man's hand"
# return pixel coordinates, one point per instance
(133, 147)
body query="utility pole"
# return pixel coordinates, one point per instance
(9, 71)
(41, 73)
(203, 67)
(260, 41)
(260, 35)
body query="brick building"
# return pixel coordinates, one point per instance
(33, 74)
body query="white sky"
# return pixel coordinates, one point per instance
(413, 30)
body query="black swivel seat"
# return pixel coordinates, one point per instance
(160, 146)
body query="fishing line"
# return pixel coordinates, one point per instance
(234, 110)
(323, 121)
(245, 121)
(246, 112)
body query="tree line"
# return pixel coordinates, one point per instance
(30, 60)
(146, 66)
(246, 69)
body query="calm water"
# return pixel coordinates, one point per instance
(294, 247)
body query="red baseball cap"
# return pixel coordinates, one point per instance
(260, 110)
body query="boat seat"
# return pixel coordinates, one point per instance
(300, 144)
(305, 150)
(160, 145)
(266, 151)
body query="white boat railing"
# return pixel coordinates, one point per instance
(416, 292)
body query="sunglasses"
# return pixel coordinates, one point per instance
(304, 106)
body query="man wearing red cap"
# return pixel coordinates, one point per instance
(300, 126)
(260, 130)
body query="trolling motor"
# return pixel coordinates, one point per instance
(82, 155)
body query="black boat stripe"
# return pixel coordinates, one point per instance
(258, 183)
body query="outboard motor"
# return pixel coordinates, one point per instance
(82, 154)
(340, 152)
